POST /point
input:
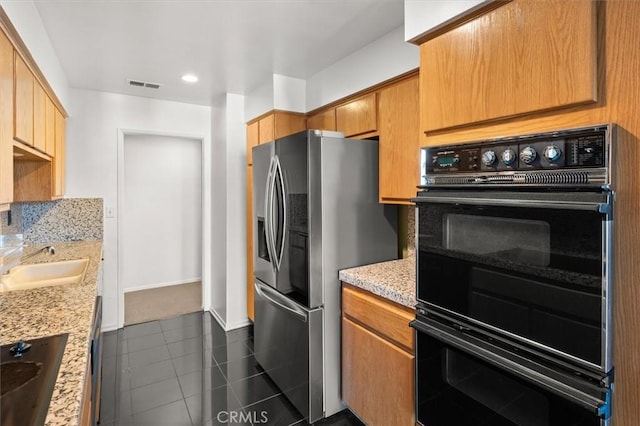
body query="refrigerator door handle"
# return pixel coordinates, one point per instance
(278, 173)
(268, 209)
(280, 301)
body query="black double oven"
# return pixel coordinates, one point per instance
(514, 278)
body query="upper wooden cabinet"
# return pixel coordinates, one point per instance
(266, 129)
(253, 139)
(358, 116)
(278, 124)
(59, 157)
(522, 57)
(6, 122)
(23, 111)
(50, 127)
(323, 120)
(39, 118)
(399, 142)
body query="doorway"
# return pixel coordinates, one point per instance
(160, 227)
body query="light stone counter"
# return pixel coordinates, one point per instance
(394, 280)
(29, 314)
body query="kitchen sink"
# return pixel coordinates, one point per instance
(36, 275)
(28, 380)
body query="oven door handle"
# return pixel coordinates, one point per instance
(598, 406)
(604, 208)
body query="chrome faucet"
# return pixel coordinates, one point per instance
(48, 250)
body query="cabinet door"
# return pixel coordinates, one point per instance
(6, 121)
(266, 129)
(39, 117)
(324, 120)
(357, 117)
(59, 158)
(23, 109)
(377, 377)
(287, 123)
(522, 57)
(50, 127)
(399, 142)
(250, 313)
(253, 139)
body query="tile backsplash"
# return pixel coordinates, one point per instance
(67, 219)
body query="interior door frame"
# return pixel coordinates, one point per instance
(206, 212)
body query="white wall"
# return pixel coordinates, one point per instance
(259, 100)
(162, 212)
(229, 295)
(94, 129)
(427, 15)
(385, 58)
(25, 18)
(289, 94)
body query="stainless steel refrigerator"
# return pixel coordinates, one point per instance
(315, 211)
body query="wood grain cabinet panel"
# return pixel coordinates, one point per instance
(323, 120)
(358, 116)
(377, 378)
(59, 158)
(50, 127)
(23, 102)
(39, 117)
(266, 129)
(253, 139)
(287, 123)
(6, 121)
(522, 57)
(399, 142)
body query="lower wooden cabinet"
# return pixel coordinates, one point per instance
(377, 366)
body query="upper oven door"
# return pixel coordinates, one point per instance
(529, 266)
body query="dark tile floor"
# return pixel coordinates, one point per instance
(188, 371)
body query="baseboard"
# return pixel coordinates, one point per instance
(231, 326)
(160, 285)
(109, 327)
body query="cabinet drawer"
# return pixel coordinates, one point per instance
(386, 318)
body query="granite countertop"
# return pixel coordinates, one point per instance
(29, 314)
(394, 280)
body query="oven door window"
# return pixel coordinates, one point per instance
(535, 273)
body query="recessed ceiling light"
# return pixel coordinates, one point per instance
(190, 78)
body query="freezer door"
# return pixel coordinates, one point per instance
(288, 345)
(263, 165)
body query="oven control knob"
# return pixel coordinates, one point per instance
(552, 153)
(528, 155)
(508, 156)
(488, 157)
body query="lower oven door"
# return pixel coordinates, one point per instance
(288, 345)
(464, 382)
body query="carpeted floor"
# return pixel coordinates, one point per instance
(163, 302)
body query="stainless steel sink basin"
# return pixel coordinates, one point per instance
(36, 275)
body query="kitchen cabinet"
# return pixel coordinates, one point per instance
(59, 157)
(253, 139)
(323, 120)
(519, 58)
(377, 358)
(277, 124)
(358, 117)
(399, 141)
(23, 102)
(50, 127)
(6, 122)
(39, 118)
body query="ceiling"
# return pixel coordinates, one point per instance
(233, 46)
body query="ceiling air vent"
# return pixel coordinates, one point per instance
(146, 84)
